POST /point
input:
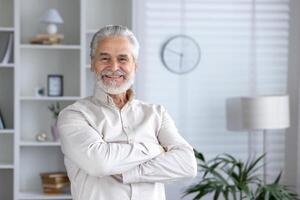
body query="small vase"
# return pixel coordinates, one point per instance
(54, 131)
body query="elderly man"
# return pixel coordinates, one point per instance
(116, 147)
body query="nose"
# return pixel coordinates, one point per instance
(114, 65)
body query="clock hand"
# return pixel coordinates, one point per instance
(180, 61)
(175, 52)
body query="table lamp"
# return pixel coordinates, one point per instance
(258, 113)
(52, 18)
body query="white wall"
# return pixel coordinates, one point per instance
(292, 139)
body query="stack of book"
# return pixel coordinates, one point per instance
(47, 39)
(55, 182)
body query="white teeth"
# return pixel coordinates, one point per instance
(112, 76)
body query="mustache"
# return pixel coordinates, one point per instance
(109, 72)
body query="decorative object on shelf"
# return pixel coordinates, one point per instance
(55, 182)
(259, 113)
(180, 54)
(46, 39)
(2, 124)
(55, 85)
(41, 137)
(52, 18)
(55, 109)
(6, 47)
(225, 177)
(39, 91)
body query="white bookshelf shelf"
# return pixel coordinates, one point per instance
(38, 144)
(54, 47)
(6, 131)
(47, 98)
(6, 29)
(6, 166)
(7, 65)
(39, 195)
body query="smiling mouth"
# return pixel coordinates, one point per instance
(113, 77)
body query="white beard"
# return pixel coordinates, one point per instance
(112, 88)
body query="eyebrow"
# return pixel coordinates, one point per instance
(123, 55)
(104, 54)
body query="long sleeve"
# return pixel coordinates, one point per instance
(83, 145)
(177, 162)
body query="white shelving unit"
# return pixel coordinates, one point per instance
(22, 158)
(7, 97)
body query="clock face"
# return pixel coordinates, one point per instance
(180, 54)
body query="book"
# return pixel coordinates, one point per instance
(2, 124)
(8, 52)
(55, 180)
(55, 186)
(4, 38)
(46, 39)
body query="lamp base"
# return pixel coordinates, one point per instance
(52, 29)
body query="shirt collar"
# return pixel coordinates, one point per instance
(101, 96)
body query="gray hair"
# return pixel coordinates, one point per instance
(114, 30)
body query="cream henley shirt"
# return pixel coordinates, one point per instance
(100, 141)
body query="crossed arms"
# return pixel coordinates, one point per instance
(137, 162)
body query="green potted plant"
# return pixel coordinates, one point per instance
(225, 177)
(55, 109)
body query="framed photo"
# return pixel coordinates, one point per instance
(55, 85)
(2, 125)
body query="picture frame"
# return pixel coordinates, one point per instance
(2, 124)
(55, 85)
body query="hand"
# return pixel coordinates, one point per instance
(118, 177)
(162, 150)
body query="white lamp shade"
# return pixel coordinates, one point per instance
(258, 113)
(52, 16)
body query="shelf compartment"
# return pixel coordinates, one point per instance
(68, 9)
(6, 149)
(36, 160)
(6, 14)
(39, 195)
(37, 65)
(7, 96)
(6, 189)
(39, 120)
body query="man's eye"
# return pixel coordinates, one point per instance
(104, 59)
(123, 60)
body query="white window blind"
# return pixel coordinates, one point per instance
(244, 46)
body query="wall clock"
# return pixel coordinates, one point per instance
(180, 54)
